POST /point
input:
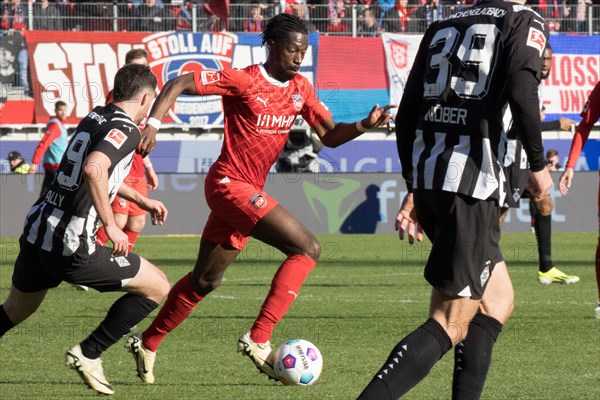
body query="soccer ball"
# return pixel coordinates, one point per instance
(298, 362)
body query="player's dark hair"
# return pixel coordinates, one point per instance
(280, 26)
(548, 47)
(59, 103)
(131, 80)
(134, 54)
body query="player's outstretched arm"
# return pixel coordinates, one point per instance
(96, 177)
(171, 91)
(157, 209)
(406, 221)
(334, 134)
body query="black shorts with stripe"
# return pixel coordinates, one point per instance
(36, 269)
(517, 181)
(465, 235)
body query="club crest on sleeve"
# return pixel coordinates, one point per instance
(209, 77)
(297, 99)
(116, 138)
(536, 39)
(258, 201)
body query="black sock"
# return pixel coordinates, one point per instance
(472, 357)
(543, 233)
(409, 362)
(5, 323)
(122, 317)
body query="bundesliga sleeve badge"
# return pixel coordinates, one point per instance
(116, 138)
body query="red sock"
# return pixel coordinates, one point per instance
(180, 303)
(285, 286)
(598, 267)
(131, 237)
(101, 238)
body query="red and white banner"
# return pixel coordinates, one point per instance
(75, 67)
(400, 52)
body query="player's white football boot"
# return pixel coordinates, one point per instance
(89, 370)
(597, 311)
(144, 358)
(260, 353)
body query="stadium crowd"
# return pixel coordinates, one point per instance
(336, 17)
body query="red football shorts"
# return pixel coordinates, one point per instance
(236, 207)
(122, 206)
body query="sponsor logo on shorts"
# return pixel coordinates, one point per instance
(122, 261)
(258, 201)
(122, 202)
(485, 275)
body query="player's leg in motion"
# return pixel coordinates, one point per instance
(597, 311)
(213, 259)
(145, 291)
(414, 356)
(18, 307)
(473, 355)
(547, 273)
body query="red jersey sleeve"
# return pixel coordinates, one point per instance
(226, 82)
(590, 114)
(52, 132)
(313, 111)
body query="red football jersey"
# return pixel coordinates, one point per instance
(590, 114)
(259, 113)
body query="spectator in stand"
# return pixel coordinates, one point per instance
(184, 16)
(255, 21)
(52, 146)
(298, 8)
(46, 17)
(152, 17)
(398, 19)
(14, 18)
(552, 160)
(17, 164)
(368, 26)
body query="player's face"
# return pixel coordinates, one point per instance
(61, 112)
(287, 55)
(546, 63)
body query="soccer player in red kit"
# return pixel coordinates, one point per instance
(128, 216)
(260, 104)
(590, 114)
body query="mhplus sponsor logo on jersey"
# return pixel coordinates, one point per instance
(176, 54)
(272, 124)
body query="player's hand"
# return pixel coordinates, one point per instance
(157, 210)
(148, 140)
(406, 221)
(564, 183)
(152, 179)
(540, 184)
(32, 169)
(119, 239)
(566, 123)
(379, 116)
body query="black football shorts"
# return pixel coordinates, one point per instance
(517, 181)
(465, 235)
(36, 269)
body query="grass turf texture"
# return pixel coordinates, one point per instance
(366, 293)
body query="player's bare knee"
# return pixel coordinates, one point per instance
(204, 286)
(545, 206)
(137, 223)
(312, 249)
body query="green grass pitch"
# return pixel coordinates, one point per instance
(366, 293)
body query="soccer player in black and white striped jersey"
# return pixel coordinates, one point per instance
(470, 66)
(516, 171)
(58, 241)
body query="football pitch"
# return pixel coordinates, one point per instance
(365, 294)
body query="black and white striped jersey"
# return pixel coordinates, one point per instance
(64, 221)
(469, 67)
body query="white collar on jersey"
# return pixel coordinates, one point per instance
(272, 81)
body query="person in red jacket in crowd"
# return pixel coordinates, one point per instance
(590, 115)
(52, 146)
(128, 216)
